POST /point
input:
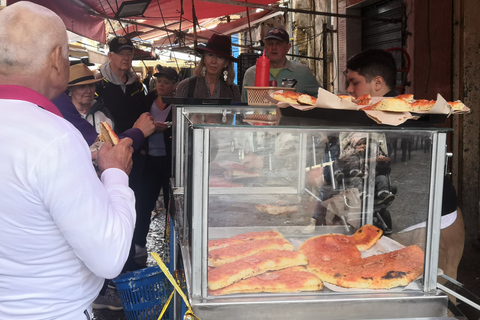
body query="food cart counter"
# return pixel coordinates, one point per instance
(273, 188)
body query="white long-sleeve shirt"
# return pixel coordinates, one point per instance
(62, 230)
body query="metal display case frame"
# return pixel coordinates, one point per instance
(193, 146)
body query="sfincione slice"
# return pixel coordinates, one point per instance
(366, 237)
(293, 279)
(384, 271)
(253, 265)
(221, 256)
(258, 235)
(390, 104)
(422, 105)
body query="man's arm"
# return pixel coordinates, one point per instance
(97, 218)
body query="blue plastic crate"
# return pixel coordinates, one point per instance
(144, 293)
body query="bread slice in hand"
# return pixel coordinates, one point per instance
(107, 134)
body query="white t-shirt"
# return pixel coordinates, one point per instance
(62, 230)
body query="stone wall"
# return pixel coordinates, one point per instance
(466, 87)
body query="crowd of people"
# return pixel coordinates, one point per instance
(76, 212)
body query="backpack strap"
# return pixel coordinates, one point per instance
(192, 82)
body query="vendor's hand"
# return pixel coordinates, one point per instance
(160, 126)
(145, 123)
(119, 156)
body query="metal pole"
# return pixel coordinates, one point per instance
(324, 54)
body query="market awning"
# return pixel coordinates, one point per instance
(224, 28)
(76, 19)
(87, 17)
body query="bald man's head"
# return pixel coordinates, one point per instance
(32, 42)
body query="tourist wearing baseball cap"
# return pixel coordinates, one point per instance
(277, 45)
(214, 74)
(124, 96)
(158, 164)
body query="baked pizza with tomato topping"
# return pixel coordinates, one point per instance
(422, 105)
(222, 256)
(253, 265)
(390, 104)
(364, 99)
(259, 235)
(307, 99)
(293, 279)
(456, 105)
(407, 97)
(337, 259)
(287, 96)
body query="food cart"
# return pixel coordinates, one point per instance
(219, 194)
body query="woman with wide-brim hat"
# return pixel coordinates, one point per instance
(82, 92)
(214, 74)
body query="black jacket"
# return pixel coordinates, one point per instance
(125, 107)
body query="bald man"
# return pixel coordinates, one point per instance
(62, 230)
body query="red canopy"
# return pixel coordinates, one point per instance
(160, 13)
(75, 18)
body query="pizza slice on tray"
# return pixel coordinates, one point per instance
(293, 279)
(287, 96)
(222, 256)
(259, 235)
(407, 97)
(422, 105)
(384, 271)
(366, 237)
(390, 104)
(346, 97)
(456, 105)
(307, 99)
(253, 265)
(337, 259)
(364, 99)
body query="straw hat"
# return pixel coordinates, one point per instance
(80, 74)
(218, 44)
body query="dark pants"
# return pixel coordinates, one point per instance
(156, 177)
(381, 184)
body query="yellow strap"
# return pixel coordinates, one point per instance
(165, 306)
(169, 276)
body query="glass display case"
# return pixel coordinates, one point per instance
(253, 187)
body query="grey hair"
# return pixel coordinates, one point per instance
(30, 33)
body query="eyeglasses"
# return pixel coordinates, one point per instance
(83, 87)
(125, 54)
